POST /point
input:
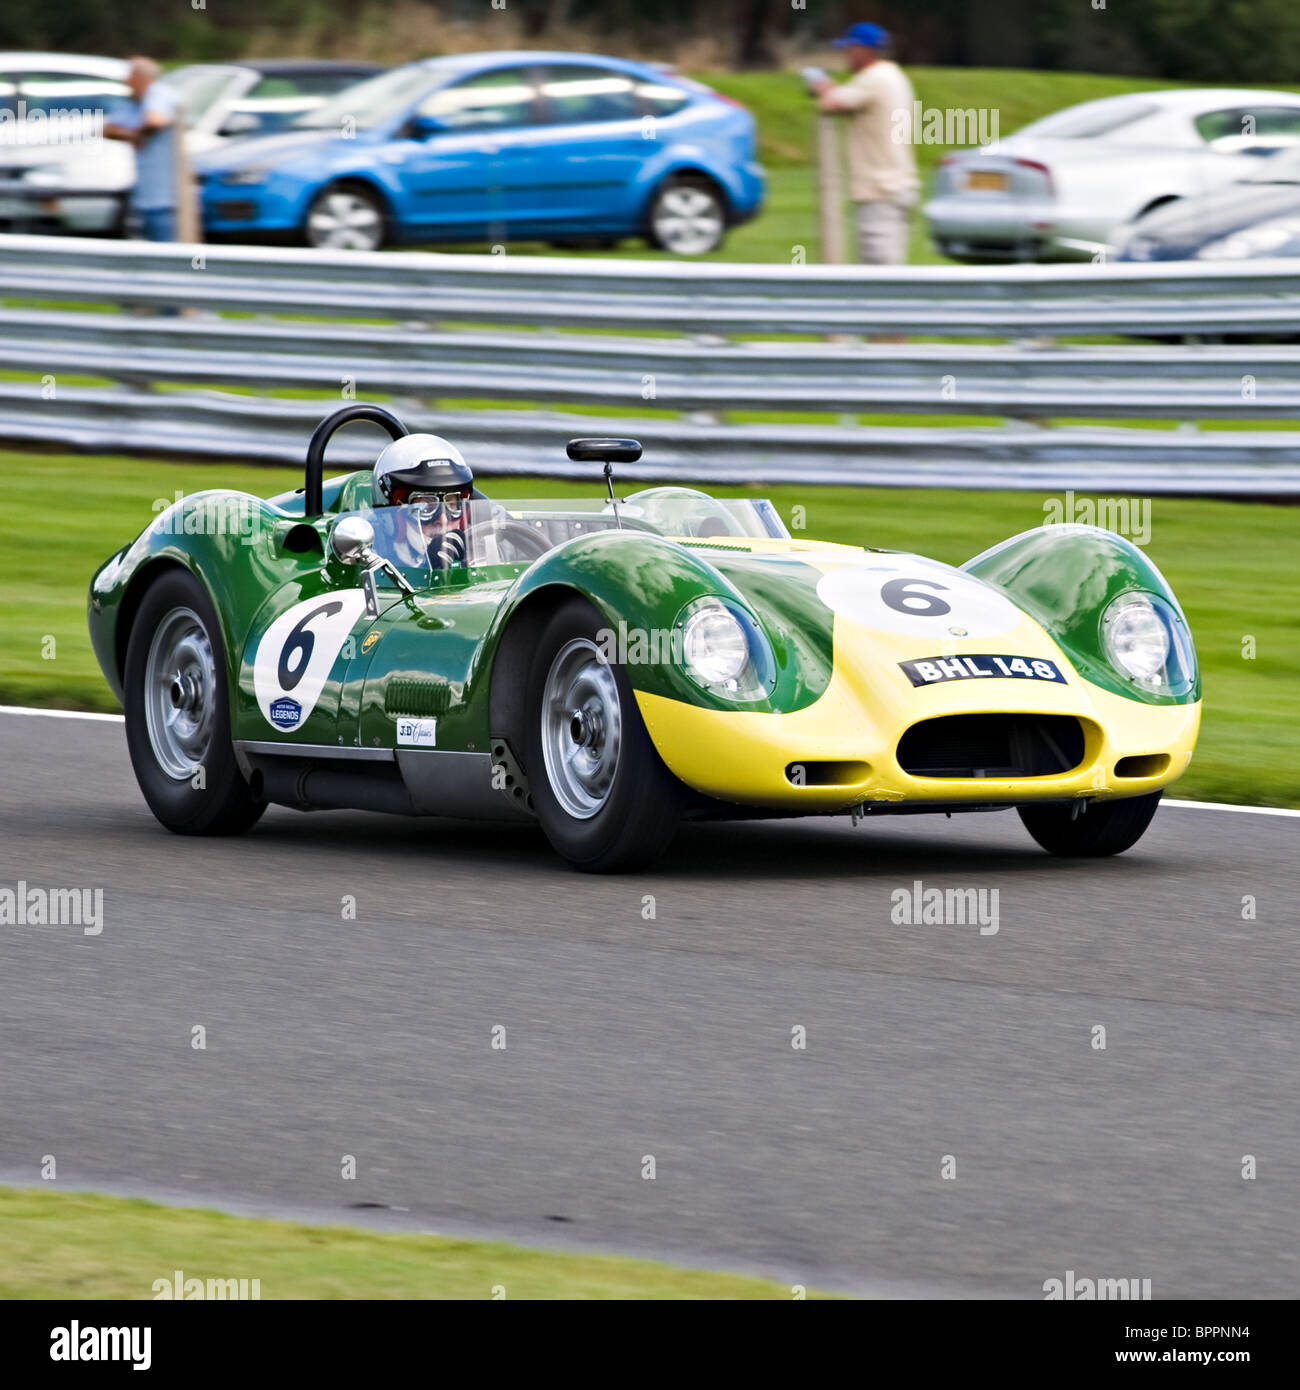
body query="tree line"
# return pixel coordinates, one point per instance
(1193, 40)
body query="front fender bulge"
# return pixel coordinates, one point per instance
(640, 584)
(1065, 577)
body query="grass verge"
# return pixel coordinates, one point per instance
(1234, 567)
(56, 1245)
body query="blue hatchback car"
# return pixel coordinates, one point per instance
(563, 147)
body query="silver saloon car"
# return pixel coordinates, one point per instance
(1069, 186)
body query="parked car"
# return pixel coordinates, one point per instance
(255, 97)
(1067, 186)
(1254, 219)
(56, 173)
(522, 145)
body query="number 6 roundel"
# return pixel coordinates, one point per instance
(297, 653)
(906, 594)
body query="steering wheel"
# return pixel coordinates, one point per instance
(528, 543)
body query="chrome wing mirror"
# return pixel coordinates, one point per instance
(352, 542)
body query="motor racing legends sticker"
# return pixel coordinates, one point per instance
(918, 598)
(417, 733)
(297, 653)
(935, 669)
(285, 713)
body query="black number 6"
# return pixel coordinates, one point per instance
(903, 599)
(301, 640)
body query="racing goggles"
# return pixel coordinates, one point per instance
(429, 506)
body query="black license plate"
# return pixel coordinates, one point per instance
(933, 670)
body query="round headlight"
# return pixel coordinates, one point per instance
(715, 645)
(1137, 638)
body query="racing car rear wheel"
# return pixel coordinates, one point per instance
(602, 794)
(178, 716)
(1092, 830)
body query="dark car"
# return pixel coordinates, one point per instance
(1256, 218)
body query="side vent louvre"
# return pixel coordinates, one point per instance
(417, 699)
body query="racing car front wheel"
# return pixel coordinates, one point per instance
(178, 716)
(1091, 831)
(603, 796)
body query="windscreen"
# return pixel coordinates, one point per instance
(520, 530)
(367, 103)
(441, 534)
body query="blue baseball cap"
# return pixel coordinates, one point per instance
(864, 36)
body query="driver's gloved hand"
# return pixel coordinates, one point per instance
(450, 550)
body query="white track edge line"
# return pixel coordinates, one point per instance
(61, 713)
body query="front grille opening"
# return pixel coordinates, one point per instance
(815, 773)
(992, 745)
(1143, 765)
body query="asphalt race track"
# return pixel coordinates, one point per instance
(672, 1037)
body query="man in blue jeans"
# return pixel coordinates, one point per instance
(147, 120)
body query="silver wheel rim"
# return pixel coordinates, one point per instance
(345, 221)
(180, 693)
(582, 728)
(688, 221)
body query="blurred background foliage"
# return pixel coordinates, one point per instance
(1252, 41)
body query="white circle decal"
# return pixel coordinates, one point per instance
(918, 598)
(297, 653)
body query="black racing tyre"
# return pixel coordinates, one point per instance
(178, 713)
(1099, 829)
(604, 798)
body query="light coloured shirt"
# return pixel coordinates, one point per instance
(882, 166)
(155, 160)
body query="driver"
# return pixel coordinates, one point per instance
(427, 475)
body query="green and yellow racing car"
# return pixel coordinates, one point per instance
(394, 640)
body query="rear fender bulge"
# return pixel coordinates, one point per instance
(230, 541)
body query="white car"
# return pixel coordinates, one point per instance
(223, 101)
(1067, 187)
(56, 172)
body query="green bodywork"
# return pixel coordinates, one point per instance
(1065, 577)
(435, 654)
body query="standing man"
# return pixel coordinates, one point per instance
(882, 169)
(148, 121)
